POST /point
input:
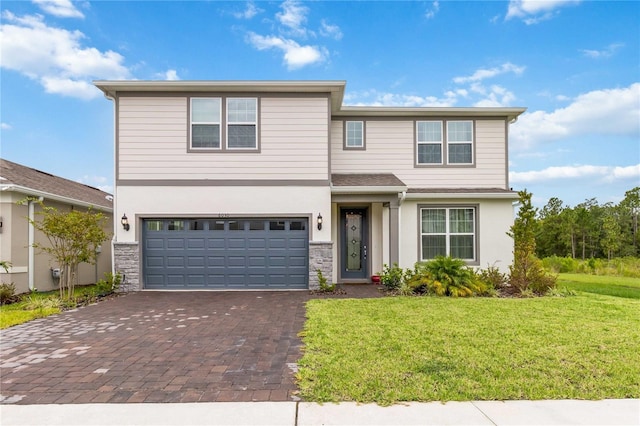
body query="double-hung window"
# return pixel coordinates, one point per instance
(242, 125)
(448, 231)
(444, 142)
(224, 124)
(354, 134)
(429, 140)
(460, 142)
(205, 123)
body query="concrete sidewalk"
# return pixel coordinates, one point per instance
(564, 412)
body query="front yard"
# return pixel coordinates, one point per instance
(442, 349)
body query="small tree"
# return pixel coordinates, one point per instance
(527, 272)
(73, 238)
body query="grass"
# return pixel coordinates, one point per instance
(608, 285)
(42, 304)
(441, 349)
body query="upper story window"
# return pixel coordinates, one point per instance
(460, 142)
(354, 134)
(224, 124)
(433, 147)
(429, 139)
(242, 124)
(205, 123)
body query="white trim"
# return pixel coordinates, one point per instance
(419, 142)
(241, 123)
(219, 123)
(470, 142)
(460, 195)
(15, 270)
(367, 189)
(346, 131)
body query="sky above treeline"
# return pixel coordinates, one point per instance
(575, 66)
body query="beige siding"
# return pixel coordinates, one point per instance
(390, 149)
(152, 142)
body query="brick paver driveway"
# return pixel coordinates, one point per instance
(158, 347)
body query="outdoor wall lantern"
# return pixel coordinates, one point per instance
(125, 222)
(319, 221)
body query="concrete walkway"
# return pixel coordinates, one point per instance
(567, 412)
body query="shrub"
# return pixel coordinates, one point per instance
(560, 264)
(323, 283)
(492, 277)
(7, 293)
(452, 277)
(393, 277)
(110, 284)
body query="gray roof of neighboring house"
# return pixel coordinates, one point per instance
(366, 179)
(30, 181)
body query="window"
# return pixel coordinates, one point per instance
(205, 123)
(154, 225)
(448, 231)
(431, 148)
(429, 139)
(242, 123)
(459, 142)
(354, 134)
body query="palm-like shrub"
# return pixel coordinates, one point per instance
(446, 276)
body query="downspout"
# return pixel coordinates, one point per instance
(115, 210)
(32, 240)
(401, 196)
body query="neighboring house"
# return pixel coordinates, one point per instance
(258, 184)
(31, 269)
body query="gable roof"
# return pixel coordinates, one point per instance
(28, 181)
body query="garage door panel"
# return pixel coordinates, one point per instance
(229, 253)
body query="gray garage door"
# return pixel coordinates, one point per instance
(226, 253)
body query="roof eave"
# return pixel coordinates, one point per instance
(463, 195)
(367, 189)
(369, 111)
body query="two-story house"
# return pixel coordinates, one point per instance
(258, 184)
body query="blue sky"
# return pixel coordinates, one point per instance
(574, 64)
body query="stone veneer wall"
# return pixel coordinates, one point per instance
(127, 262)
(320, 257)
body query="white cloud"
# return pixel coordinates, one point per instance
(169, 75)
(600, 112)
(604, 53)
(295, 55)
(497, 96)
(483, 74)
(435, 8)
(59, 8)
(376, 98)
(328, 30)
(5, 126)
(55, 57)
(535, 11)
(606, 174)
(293, 16)
(250, 11)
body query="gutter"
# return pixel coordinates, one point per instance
(367, 189)
(461, 195)
(111, 97)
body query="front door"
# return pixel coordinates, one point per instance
(354, 237)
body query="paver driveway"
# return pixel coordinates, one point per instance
(158, 347)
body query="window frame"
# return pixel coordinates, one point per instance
(441, 143)
(228, 123)
(192, 123)
(445, 143)
(224, 123)
(470, 142)
(345, 136)
(448, 234)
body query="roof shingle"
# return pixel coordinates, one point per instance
(26, 177)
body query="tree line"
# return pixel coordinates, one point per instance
(589, 230)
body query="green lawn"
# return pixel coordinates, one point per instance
(441, 349)
(42, 304)
(599, 284)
